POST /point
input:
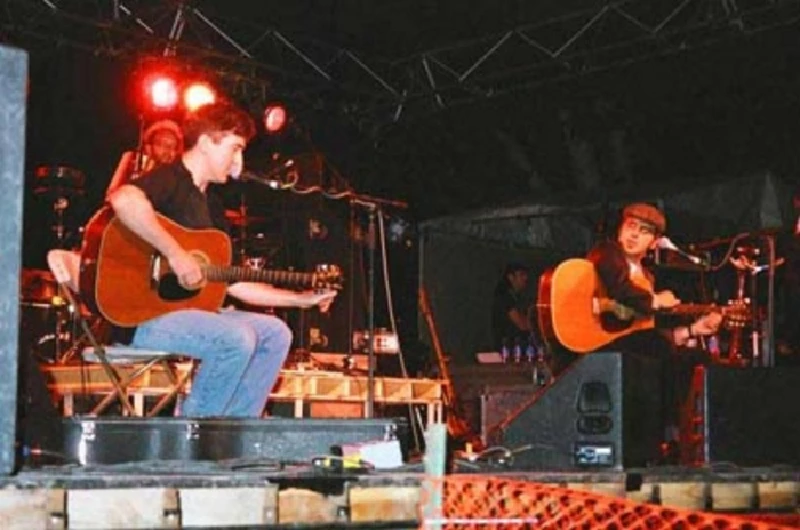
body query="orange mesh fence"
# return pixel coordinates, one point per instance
(471, 501)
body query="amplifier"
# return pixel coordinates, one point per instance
(742, 416)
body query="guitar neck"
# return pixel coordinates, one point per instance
(692, 309)
(216, 273)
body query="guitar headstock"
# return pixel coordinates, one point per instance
(327, 276)
(737, 313)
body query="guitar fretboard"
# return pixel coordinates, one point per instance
(693, 309)
(216, 273)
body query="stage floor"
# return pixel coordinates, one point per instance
(181, 494)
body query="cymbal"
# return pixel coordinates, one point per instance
(235, 218)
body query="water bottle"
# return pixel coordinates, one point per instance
(517, 351)
(542, 372)
(713, 346)
(504, 352)
(530, 351)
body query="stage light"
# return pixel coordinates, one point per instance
(198, 94)
(162, 92)
(275, 118)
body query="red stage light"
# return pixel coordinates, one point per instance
(163, 92)
(198, 94)
(275, 118)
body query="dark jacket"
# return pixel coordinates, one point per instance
(614, 271)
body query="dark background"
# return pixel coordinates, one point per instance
(716, 93)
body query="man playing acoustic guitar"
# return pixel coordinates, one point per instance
(619, 267)
(241, 353)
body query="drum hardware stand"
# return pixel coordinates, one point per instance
(60, 183)
(742, 264)
(747, 263)
(59, 206)
(373, 207)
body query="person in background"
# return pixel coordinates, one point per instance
(510, 319)
(162, 143)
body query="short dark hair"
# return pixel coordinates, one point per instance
(217, 118)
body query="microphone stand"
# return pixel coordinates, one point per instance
(373, 207)
(768, 359)
(369, 411)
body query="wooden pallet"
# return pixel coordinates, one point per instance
(294, 386)
(47, 499)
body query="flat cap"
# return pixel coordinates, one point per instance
(648, 213)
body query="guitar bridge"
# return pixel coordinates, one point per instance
(155, 271)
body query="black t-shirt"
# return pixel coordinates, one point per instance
(503, 329)
(173, 193)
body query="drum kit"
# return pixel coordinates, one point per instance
(47, 325)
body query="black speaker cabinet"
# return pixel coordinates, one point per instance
(603, 412)
(742, 416)
(13, 81)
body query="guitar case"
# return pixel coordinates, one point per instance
(109, 441)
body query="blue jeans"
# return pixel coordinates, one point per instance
(240, 354)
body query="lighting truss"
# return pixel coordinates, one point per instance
(264, 62)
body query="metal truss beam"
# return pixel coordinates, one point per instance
(581, 43)
(262, 62)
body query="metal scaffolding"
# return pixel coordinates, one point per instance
(260, 62)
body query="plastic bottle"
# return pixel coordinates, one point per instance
(517, 351)
(542, 373)
(530, 350)
(504, 351)
(713, 346)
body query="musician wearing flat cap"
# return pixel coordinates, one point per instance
(626, 280)
(619, 267)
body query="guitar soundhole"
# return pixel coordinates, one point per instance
(612, 324)
(170, 290)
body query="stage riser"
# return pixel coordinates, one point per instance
(106, 441)
(396, 499)
(13, 83)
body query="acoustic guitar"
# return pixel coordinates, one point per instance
(575, 311)
(128, 281)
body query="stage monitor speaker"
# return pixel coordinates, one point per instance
(742, 416)
(603, 412)
(13, 82)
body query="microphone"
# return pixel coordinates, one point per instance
(270, 179)
(666, 243)
(249, 176)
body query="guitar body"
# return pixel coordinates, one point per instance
(568, 301)
(128, 282)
